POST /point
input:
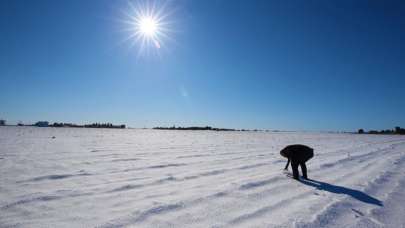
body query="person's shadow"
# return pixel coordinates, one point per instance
(363, 197)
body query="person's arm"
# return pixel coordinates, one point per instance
(286, 166)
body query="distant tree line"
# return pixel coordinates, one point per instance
(103, 125)
(56, 124)
(396, 131)
(206, 128)
(42, 124)
(93, 125)
(2, 122)
(65, 125)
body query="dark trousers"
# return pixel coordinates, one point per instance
(294, 165)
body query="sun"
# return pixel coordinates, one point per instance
(148, 23)
(148, 26)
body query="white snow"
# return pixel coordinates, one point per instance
(156, 178)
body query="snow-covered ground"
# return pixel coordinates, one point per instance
(152, 178)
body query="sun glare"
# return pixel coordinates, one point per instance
(147, 25)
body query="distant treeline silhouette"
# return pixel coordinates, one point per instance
(207, 128)
(93, 125)
(396, 131)
(104, 125)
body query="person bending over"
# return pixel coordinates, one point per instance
(297, 154)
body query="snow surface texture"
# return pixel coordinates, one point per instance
(154, 178)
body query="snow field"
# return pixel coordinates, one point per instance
(156, 178)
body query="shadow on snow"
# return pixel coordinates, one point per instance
(363, 197)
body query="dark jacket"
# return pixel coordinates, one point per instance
(297, 153)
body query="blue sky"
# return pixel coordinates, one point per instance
(289, 65)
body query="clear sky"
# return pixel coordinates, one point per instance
(289, 65)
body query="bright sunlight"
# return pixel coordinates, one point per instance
(148, 26)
